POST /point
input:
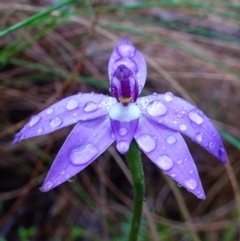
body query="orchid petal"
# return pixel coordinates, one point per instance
(179, 115)
(124, 132)
(84, 144)
(168, 150)
(80, 107)
(126, 54)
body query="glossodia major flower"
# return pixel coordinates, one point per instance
(155, 121)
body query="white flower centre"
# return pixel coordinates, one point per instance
(124, 113)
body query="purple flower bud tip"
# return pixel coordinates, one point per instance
(155, 121)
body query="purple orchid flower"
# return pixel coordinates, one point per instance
(155, 121)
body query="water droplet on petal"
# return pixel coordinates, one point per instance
(123, 131)
(180, 161)
(211, 145)
(196, 116)
(90, 107)
(199, 137)
(156, 108)
(34, 120)
(72, 104)
(47, 186)
(146, 142)
(191, 184)
(72, 179)
(49, 111)
(83, 154)
(182, 127)
(164, 162)
(213, 134)
(171, 139)
(126, 50)
(173, 175)
(55, 122)
(122, 146)
(62, 172)
(168, 96)
(40, 130)
(191, 172)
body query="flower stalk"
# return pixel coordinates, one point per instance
(133, 157)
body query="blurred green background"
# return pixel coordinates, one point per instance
(192, 49)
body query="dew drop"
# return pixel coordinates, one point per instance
(199, 137)
(122, 146)
(213, 134)
(34, 120)
(90, 107)
(72, 104)
(183, 127)
(146, 142)
(168, 96)
(191, 172)
(40, 130)
(62, 172)
(171, 139)
(156, 108)
(173, 175)
(55, 122)
(211, 145)
(164, 162)
(196, 116)
(49, 111)
(179, 161)
(191, 184)
(72, 179)
(123, 131)
(83, 154)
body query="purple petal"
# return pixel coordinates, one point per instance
(126, 54)
(168, 150)
(84, 144)
(124, 120)
(124, 132)
(179, 115)
(80, 107)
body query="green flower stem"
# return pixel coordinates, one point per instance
(34, 17)
(135, 165)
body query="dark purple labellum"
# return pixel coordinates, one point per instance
(123, 85)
